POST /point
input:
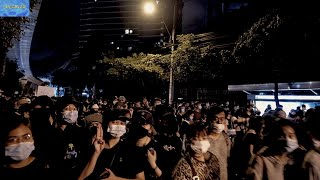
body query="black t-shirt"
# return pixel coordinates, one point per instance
(70, 151)
(250, 139)
(120, 159)
(35, 170)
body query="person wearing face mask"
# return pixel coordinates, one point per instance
(218, 138)
(180, 112)
(199, 163)
(187, 120)
(311, 163)
(69, 139)
(282, 156)
(110, 157)
(17, 145)
(44, 121)
(143, 146)
(198, 113)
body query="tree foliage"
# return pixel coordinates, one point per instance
(253, 43)
(191, 64)
(10, 29)
(194, 63)
(279, 45)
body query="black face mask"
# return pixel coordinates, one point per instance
(138, 132)
(40, 116)
(92, 130)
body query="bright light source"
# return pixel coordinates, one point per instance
(289, 97)
(126, 31)
(149, 8)
(131, 31)
(112, 42)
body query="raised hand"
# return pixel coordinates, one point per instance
(108, 175)
(152, 156)
(99, 141)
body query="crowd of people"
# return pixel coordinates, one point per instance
(118, 139)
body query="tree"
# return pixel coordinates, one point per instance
(279, 45)
(9, 82)
(10, 30)
(195, 63)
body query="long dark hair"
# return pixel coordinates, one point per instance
(196, 130)
(275, 145)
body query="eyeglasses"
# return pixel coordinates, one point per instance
(16, 139)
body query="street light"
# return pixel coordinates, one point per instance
(149, 8)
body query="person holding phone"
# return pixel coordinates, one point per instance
(143, 145)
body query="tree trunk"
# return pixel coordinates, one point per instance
(276, 94)
(276, 74)
(4, 65)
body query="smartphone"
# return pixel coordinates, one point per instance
(151, 150)
(106, 175)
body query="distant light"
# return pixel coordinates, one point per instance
(130, 31)
(287, 97)
(112, 42)
(129, 48)
(95, 0)
(126, 31)
(118, 48)
(149, 8)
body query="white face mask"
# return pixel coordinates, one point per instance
(20, 151)
(117, 130)
(292, 144)
(218, 128)
(200, 146)
(316, 143)
(70, 116)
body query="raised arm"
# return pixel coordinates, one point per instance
(99, 144)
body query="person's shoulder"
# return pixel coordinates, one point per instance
(209, 156)
(312, 156)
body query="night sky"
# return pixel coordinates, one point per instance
(55, 36)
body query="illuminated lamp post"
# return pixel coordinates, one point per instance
(149, 8)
